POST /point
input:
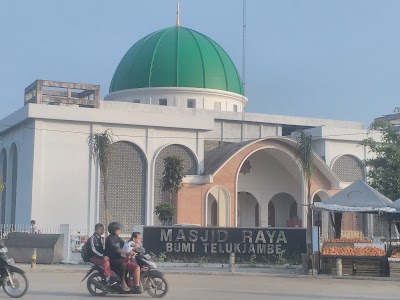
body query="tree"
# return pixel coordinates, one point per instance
(304, 153)
(171, 183)
(165, 213)
(383, 169)
(101, 145)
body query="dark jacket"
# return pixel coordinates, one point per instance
(93, 247)
(113, 243)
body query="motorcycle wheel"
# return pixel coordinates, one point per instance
(156, 286)
(19, 285)
(91, 282)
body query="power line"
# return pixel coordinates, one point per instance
(244, 68)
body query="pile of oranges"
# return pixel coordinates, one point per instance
(353, 251)
(395, 255)
(349, 240)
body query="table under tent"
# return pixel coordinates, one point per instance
(359, 231)
(394, 242)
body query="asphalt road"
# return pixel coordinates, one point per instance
(60, 286)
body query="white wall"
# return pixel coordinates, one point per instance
(205, 98)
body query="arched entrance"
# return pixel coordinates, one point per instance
(271, 214)
(218, 208)
(248, 210)
(285, 207)
(273, 177)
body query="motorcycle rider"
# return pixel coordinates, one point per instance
(133, 245)
(114, 245)
(93, 251)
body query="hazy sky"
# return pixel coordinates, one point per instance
(330, 59)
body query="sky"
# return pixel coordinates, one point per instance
(336, 59)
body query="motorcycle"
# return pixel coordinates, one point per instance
(14, 282)
(152, 280)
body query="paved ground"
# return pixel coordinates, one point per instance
(60, 286)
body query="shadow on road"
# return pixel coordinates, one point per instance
(293, 296)
(81, 295)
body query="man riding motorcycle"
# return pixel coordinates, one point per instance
(119, 264)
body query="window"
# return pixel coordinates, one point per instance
(235, 107)
(217, 105)
(163, 101)
(136, 101)
(191, 103)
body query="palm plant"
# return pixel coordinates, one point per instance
(101, 145)
(304, 153)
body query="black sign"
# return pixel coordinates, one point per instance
(192, 242)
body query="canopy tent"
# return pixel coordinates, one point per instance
(357, 197)
(396, 206)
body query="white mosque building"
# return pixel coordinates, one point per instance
(175, 92)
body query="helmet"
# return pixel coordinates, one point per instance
(114, 226)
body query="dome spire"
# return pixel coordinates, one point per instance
(178, 15)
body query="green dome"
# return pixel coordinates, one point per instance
(176, 57)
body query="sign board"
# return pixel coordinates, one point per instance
(192, 242)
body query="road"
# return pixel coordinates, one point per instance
(60, 286)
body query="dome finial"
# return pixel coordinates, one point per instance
(178, 15)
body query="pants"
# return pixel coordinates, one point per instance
(105, 264)
(121, 265)
(131, 267)
(118, 266)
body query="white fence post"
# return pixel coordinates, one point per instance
(65, 230)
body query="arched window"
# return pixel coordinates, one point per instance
(3, 174)
(190, 168)
(348, 168)
(14, 181)
(127, 185)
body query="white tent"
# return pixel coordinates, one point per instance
(357, 197)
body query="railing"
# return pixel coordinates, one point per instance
(5, 229)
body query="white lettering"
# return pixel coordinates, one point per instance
(260, 236)
(166, 236)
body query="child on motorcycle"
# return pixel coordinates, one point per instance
(132, 245)
(114, 251)
(93, 251)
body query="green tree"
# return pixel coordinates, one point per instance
(384, 168)
(304, 153)
(101, 145)
(171, 184)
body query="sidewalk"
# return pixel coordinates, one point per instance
(207, 269)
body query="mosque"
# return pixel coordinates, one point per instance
(175, 92)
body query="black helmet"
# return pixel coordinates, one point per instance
(114, 226)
